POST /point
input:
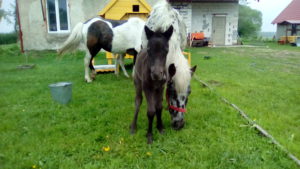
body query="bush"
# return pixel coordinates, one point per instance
(250, 21)
(8, 38)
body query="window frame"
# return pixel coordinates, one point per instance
(57, 18)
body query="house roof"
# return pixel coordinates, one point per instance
(112, 3)
(291, 14)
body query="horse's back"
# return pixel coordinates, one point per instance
(116, 23)
(99, 35)
(128, 35)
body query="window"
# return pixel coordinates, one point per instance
(135, 8)
(58, 16)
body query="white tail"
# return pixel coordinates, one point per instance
(73, 40)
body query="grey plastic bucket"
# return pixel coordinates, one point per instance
(61, 92)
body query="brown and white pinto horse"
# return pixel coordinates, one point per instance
(118, 37)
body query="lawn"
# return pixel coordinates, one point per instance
(36, 132)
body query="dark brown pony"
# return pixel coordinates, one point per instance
(150, 77)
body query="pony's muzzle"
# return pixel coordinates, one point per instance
(177, 125)
(158, 74)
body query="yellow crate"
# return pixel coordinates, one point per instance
(289, 39)
(292, 39)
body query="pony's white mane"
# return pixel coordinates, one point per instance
(163, 15)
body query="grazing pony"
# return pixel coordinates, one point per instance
(118, 37)
(161, 17)
(150, 77)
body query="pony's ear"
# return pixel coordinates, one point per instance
(168, 33)
(149, 32)
(172, 70)
(193, 69)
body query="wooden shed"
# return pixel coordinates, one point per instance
(288, 22)
(124, 9)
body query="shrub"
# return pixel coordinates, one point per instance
(8, 38)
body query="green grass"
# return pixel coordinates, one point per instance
(263, 81)
(36, 131)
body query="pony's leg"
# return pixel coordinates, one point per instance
(138, 102)
(150, 113)
(117, 64)
(134, 57)
(87, 59)
(121, 62)
(158, 107)
(93, 71)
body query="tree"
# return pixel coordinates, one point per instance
(250, 21)
(10, 15)
(2, 14)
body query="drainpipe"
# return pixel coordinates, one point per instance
(42, 6)
(20, 28)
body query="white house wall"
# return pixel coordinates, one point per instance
(198, 17)
(35, 31)
(202, 19)
(185, 10)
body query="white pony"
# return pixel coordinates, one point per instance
(161, 18)
(118, 37)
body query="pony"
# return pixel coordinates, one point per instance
(161, 17)
(118, 37)
(150, 77)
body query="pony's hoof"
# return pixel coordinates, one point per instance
(149, 139)
(132, 129)
(88, 80)
(161, 131)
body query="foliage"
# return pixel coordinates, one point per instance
(8, 38)
(10, 15)
(250, 21)
(3, 13)
(93, 130)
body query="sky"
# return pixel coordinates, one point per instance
(269, 8)
(5, 26)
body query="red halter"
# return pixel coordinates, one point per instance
(173, 107)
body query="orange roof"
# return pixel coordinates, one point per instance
(290, 14)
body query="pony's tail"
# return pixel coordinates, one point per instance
(73, 40)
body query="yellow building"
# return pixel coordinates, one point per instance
(124, 9)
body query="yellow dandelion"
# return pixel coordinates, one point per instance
(149, 154)
(106, 149)
(121, 140)
(34, 166)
